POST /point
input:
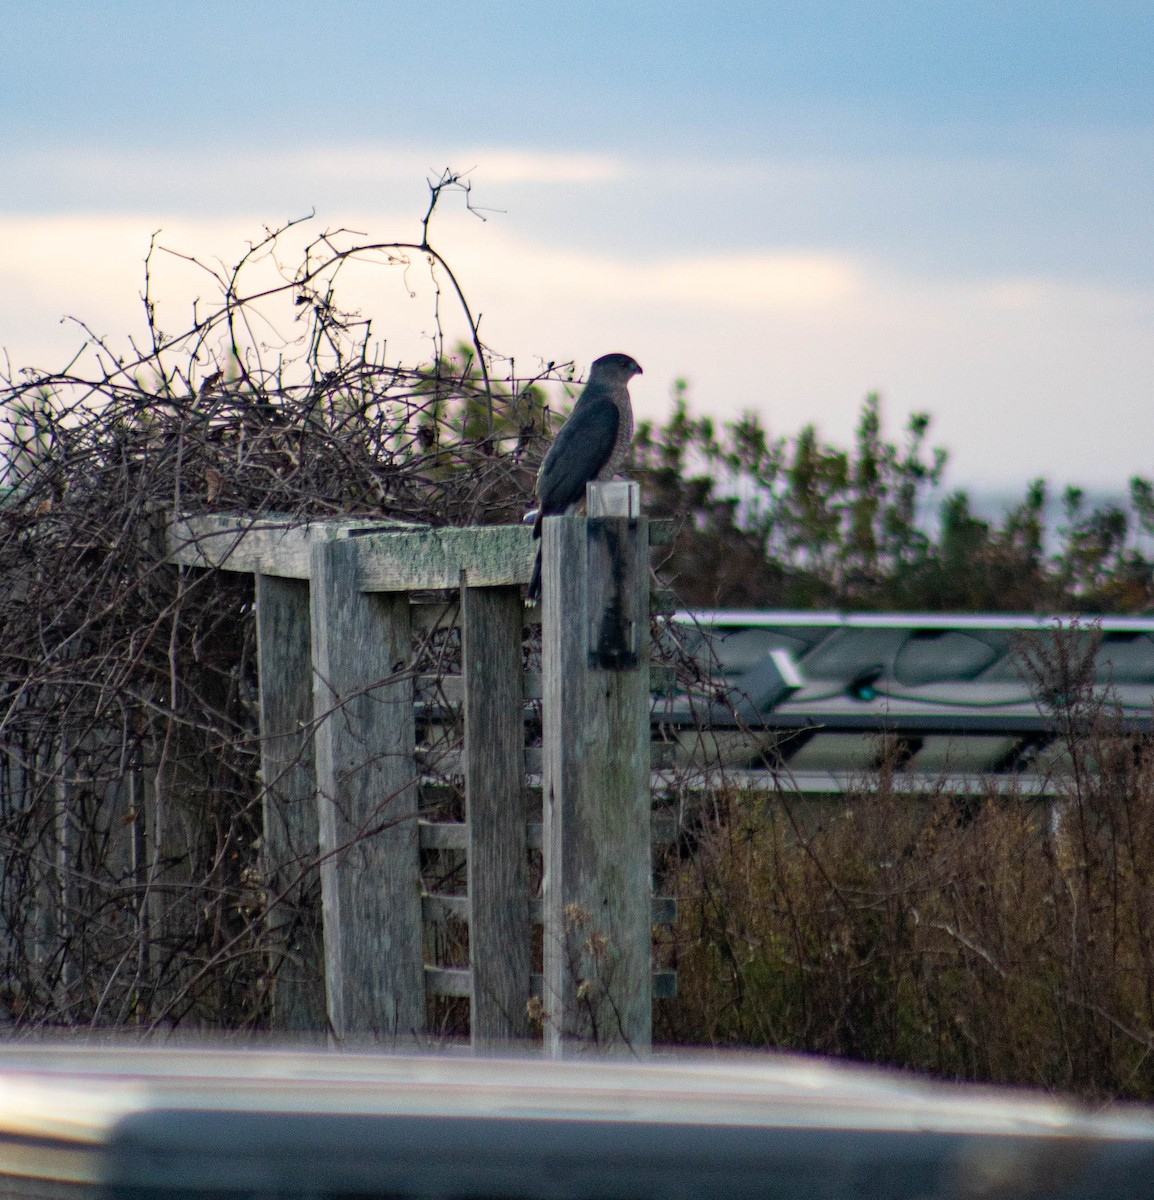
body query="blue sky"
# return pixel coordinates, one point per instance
(788, 204)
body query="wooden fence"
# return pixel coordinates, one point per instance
(356, 731)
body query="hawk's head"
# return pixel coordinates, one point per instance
(614, 368)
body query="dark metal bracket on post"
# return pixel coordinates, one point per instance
(616, 623)
(613, 620)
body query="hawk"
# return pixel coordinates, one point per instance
(592, 444)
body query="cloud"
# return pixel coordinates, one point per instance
(750, 282)
(186, 182)
(1025, 375)
(92, 267)
(489, 165)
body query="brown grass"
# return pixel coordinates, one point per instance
(1000, 939)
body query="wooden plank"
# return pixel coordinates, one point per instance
(435, 795)
(448, 981)
(288, 772)
(454, 835)
(615, 498)
(664, 984)
(664, 911)
(439, 614)
(397, 556)
(597, 939)
(491, 628)
(451, 761)
(367, 801)
(440, 908)
(443, 835)
(457, 982)
(266, 544)
(450, 689)
(490, 555)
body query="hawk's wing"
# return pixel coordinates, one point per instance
(579, 451)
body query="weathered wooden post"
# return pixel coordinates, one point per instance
(491, 625)
(367, 800)
(288, 775)
(347, 691)
(598, 907)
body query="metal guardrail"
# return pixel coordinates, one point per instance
(119, 1123)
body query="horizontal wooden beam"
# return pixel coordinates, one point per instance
(487, 555)
(458, 981)
(450, 689)
(436, 907)
(449, 762)
(664, 910)
(454, 835)
(400, 555)
(443, 835)
(448, 981)
(393, 556)
(261, 545)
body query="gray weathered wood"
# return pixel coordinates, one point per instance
(267, 544)
(399, 557)
(490, 555)
(597, 940)
(437, 907)
(367, 801)
(450, 689)
(664, 911)
(443, 835)
(614, 498)
(449, 981)
(289, 844)
(595, 766)
(454, 981)
(450, 760)
(491, 628)
(438, 614)
(454, 835)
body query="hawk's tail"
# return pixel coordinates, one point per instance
(534, 592)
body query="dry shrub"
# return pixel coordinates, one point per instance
(130, 802)
(993, 937)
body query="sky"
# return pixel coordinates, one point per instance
(789, 205)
